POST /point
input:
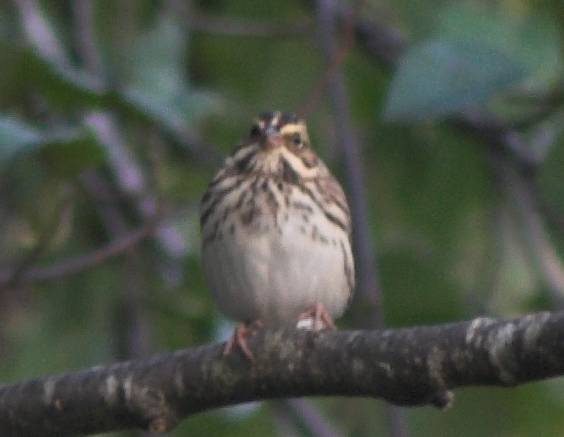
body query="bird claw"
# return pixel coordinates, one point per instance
(239, 339)
(317, 317)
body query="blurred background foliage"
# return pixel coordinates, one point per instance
(114, 114)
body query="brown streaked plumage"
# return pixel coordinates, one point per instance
(276, 231)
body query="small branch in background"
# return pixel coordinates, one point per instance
(497, 136)
(38, 32)
(367, 278)
(487, 271)
(78, 264)
(385, 44)
(546, 105)
(310, 417)
(411, 366)
(84, 31)
(334, 62)
(132, 331)
(132, 184)
(284, 422)
(26, 265)
(131, 337)
(106, 201)
(554, 217)
(132, 327)
(198, 22)
(365, 258)
(247, 28)
(539, 249)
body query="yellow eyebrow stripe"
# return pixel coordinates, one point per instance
(290, 129)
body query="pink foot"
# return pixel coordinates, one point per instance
(321, 318)
(239, 339)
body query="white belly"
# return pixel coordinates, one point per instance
(258, 273)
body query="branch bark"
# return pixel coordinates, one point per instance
(410, 366)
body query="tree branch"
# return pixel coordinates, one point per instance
(411, 366)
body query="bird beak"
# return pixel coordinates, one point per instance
(272, 139)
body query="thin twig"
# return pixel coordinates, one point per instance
(84, 30)
(333, 64)
(246, 28)
(309, 416)
(283, 421)
(38, 32)
(553, 214)
(78, 264)
(494, 134)
(540, 250)
(487, 270)
(546, 105)
(25, 265)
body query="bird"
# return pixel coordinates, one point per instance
(276, 233)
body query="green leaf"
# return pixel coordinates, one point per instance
(63, 85)
(68, 154)
(157, 83)
(155, 64)
(440, 77)
(533, 41)
(477, 53)
(157, 91)
(65, 153)
(15, 138)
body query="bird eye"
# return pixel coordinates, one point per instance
(255, 131)
(297, 140)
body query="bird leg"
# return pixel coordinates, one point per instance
(320, 317)
(239, 338)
